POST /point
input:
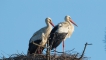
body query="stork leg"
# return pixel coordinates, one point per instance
(63, 46)
(41, 49)
(37, 50)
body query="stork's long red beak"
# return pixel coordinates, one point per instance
(52, 24)
(73, 23)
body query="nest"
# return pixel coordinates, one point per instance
(64, 56)
(68, 55)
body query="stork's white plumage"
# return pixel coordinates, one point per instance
(40, 37)
(71, 28)
(60, 32)
(70, 23)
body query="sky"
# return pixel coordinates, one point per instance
(19, 19)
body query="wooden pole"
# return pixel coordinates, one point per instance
(48, 51)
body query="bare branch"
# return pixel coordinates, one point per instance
(84, 50)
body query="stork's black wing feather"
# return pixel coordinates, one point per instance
(52, 35)
(56, 38)
(59, 37)
(32, 48)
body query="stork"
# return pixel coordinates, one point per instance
(60, 32)
(40, 37)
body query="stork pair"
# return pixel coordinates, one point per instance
(55, 36)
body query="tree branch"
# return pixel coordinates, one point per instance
(84, 50)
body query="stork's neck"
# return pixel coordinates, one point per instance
(48, 24)
(48, 29)
(69, 22)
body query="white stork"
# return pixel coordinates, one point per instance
(40, 37)
(60, 32)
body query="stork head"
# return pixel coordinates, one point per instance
(68, 19)
(48, 20)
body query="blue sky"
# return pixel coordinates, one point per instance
(19, 19)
